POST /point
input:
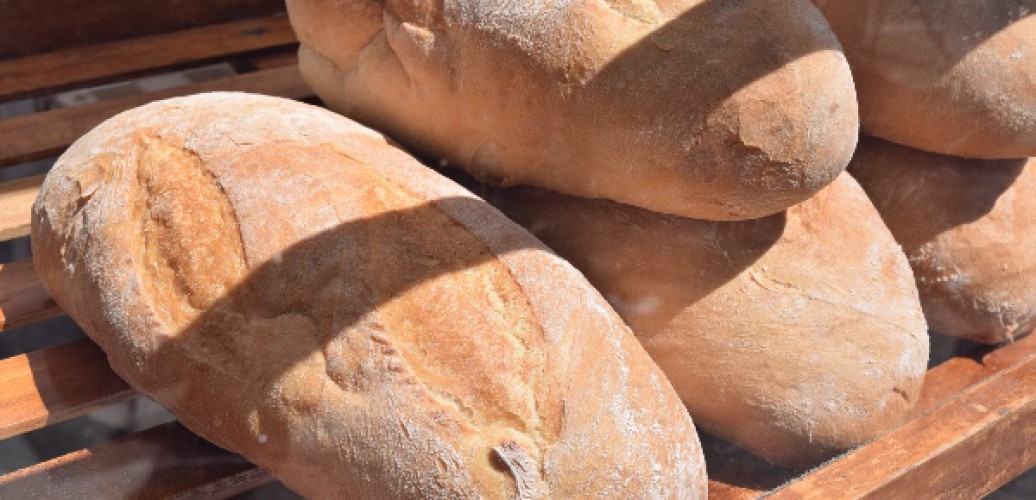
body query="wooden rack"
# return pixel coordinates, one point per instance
(974, 430)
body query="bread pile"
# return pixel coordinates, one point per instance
(949, 87)
(724, 111)
(298, 289)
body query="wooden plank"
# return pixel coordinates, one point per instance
(166, 461)
(55, 384)
(16, 199)
(22, 297)
(42, 73)
(31, 137)
(969, 446)
(36, 26)
(950, 378)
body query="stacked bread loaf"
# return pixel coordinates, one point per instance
(798, 335)
(955, 77)
(716, 110)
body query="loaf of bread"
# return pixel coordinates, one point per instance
(955, 77)
(297, 289)
(797, 336)
(715, 110)
(969, 230)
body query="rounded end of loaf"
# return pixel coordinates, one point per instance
(967, 228)
(791, 133)
(952, 77)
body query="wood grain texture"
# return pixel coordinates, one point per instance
(945, 381)
(16, 199)
(166, 461)
(22, 297)
(35, 26)
(40, 135)
(965, 448)
(38, 74)
(55, 384)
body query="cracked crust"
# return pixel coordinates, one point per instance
(298, 290)
(797, 336)
(956, 77)
(968, 230)
(715, 110)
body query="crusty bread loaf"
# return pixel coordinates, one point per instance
(797, 336)
(715, 110)
(951, 76)
(297, 289)
(969, 230)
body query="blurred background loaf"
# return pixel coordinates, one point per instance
(950, 76)
(968, 228)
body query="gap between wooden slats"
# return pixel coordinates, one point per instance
(56, 384)
(43, 73)
(40, 135)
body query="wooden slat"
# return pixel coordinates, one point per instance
(947, 380)
(166, 461)
(32, 137)
(16, 199)
(37, 26)
(56, 384)
(22, 297)
(42, 73)
(969, 446)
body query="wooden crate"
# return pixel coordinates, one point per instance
(974, 430)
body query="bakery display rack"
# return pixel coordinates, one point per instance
(973, 430)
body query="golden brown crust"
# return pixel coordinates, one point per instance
(298, 290)
(797, 336)
(718, 110)
(968, 230)
(956, 77)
